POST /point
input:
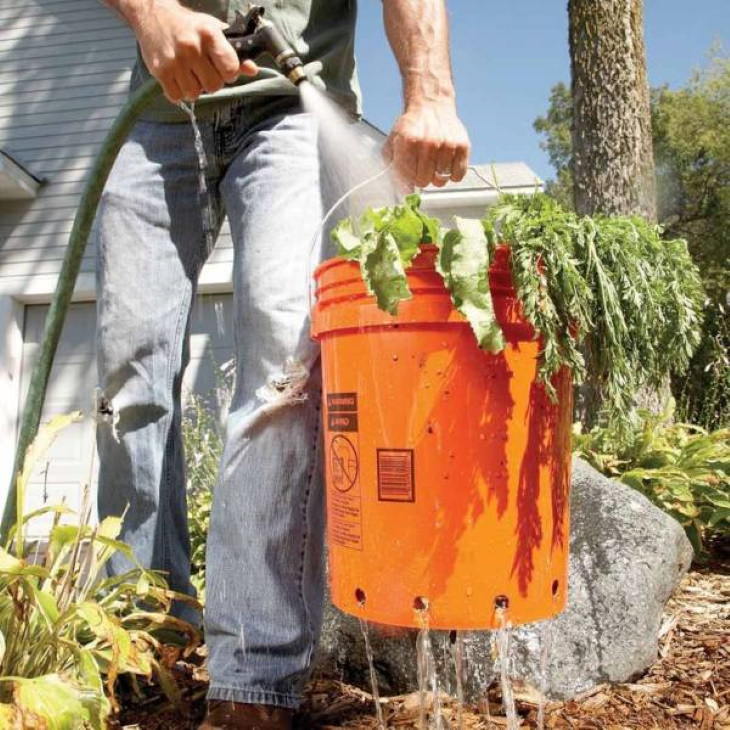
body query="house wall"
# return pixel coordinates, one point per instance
(64, 71)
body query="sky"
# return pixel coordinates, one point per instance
(507, 55)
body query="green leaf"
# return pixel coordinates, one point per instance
(10, 565)
(348, 243)
(51, 699)
(463, 262)
(384, 274)
(431, 232)
(47, 605)
(94, 700)
(719, 516)
(406, 229)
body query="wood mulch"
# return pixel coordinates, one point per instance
(688, 687)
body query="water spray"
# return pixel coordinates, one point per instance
(253, 35)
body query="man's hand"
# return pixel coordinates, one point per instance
(184, 50)
(429, 144)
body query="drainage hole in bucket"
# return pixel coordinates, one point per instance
(420, 603)
(555, 587)
(360, 596)
(501, 601)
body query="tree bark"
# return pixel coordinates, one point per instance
(613, 161)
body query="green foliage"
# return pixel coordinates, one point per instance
(463, 262)
(203, 445)
(692, 150)
(385, 241)
(558, 143)
(632, 299)
(611, 285)
(66, 629)
(703, 395)
(683, 469)
(692, 155)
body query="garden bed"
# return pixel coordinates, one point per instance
(689, 687)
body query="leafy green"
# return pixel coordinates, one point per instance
(385, 241)
(384, 274)
(631, 299)
(692, 153)
(609, 298)
(463, 262)
(683, 469)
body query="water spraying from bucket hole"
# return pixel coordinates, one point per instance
(504, 642)
(457, 657)
(426, 672)
(373, 675)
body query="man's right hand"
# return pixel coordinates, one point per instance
(184, 50)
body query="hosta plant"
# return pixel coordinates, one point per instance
(67, 631)
(608, 297)
(683, 469)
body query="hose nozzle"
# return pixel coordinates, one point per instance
(252, 35)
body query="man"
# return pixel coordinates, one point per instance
(265, 547)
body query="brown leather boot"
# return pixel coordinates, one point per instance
(226, 715)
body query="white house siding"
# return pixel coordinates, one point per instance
(71, 463)
(64, 71)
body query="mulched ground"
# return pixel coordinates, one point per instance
(688, 687)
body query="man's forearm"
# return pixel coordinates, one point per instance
(133, 11)
(418, 33)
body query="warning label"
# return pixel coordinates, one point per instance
(344, 514)
(342, 421)
(341, 402)
(345, 464)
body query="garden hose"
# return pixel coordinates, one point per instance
(272, 83)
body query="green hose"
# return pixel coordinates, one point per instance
(136, 104)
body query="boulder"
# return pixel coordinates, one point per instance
(626, 559)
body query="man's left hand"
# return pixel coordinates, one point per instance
(429, 145)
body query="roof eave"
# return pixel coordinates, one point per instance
(445, 198)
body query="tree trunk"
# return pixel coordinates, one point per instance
(613, 161)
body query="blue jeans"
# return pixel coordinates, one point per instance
(265, 546)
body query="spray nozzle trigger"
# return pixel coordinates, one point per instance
(251, 35)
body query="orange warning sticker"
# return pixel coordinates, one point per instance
(344, 514)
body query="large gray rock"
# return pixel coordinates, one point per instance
(626, 558)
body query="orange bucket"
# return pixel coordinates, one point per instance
(447, 468)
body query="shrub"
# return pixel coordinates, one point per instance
(683, 469)
(203, 445)
(66, 629)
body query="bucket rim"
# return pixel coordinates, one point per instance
(333, 261)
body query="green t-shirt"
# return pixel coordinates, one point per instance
(318, 30)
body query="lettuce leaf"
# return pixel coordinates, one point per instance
(385, 275)
(463, 262)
